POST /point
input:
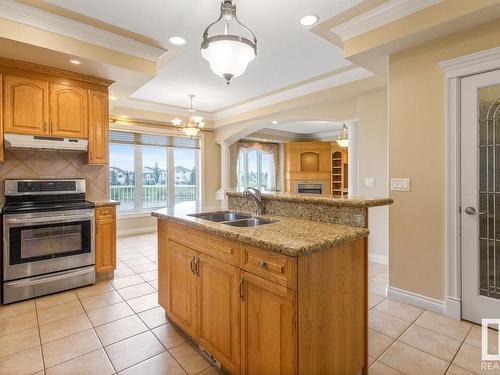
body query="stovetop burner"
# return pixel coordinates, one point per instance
(26, 207)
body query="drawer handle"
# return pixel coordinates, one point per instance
(263, 264)
(192, 266)
(242, 290)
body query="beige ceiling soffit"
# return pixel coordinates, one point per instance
(40, 19)
(445, 18)
(384, 14)
(43, 69)
(115, 120)
(309, 88)
(323, 29)
(157, 107)
(19, 32)
(54, 9)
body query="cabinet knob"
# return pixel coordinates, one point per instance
(262, 264)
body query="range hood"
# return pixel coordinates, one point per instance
(42, 142)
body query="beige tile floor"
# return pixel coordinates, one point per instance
(116, 326)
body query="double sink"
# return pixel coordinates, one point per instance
(234, 219)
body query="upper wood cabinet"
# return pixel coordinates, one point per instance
(26, 105)
(47, 101)
(68, 111)
(98, 127)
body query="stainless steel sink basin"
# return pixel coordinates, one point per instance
(221, 216)
(251, 222)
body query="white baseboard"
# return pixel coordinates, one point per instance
(453, 308)
(378, 258)
(419, 300)
(131, 232)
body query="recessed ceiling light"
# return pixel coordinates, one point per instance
(111, 97)
(177, 40)
(274, 122)
(74, 61)
(309, 20)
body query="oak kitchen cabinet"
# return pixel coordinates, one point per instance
(105, 239)
(261, 312)
(44, 101)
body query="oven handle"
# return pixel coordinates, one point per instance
(43, 279)
(48, 220)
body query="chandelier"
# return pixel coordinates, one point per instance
(194, 123)
(228, 54)
(343, 139)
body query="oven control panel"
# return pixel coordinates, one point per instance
(40, 186)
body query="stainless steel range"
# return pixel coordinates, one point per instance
(48, 238)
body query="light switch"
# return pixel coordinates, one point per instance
(369, 181)
(400, 184)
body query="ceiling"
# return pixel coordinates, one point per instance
(288, 53)
(306, 127)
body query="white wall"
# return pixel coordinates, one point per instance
(373, 162)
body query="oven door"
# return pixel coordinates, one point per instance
(40, 243)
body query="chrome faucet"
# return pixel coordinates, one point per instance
(256, 197)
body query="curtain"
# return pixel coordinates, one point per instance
(271, 149)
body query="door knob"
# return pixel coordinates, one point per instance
(472, 211)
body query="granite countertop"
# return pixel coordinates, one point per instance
(289, 236)
(106, 202)
(331, 200)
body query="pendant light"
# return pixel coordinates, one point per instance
(228, 54)
(343, 139)
(194, 123)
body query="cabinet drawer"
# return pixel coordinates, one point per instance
(103, 213)
(219, 248)
(274, 267)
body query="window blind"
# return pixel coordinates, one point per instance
(152, 140)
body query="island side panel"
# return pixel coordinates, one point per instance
(163, 264)
(333, 310)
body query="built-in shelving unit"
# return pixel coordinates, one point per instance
(339, 171)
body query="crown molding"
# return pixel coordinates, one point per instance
(473, 63)
(157, 107)
(308, 88)
(384, 14)
(31, 16)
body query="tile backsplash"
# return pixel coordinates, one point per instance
(28, 164)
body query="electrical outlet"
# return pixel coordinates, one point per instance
(400, 184)
(370, 181)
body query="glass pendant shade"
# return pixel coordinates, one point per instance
(228, 58)
(228, 54)
(343, 139)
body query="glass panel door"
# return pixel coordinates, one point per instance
(489, 191)
(480, 195)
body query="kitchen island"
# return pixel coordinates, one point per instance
(286, 297)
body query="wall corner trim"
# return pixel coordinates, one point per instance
(416, 299)
(453, 308)
(378, 258)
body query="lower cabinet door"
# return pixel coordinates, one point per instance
(268, 328)
(182, 285)
(105, 245)
(219, 310)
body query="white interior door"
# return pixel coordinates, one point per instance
(480, 175)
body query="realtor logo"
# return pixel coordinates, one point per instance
(486, 354)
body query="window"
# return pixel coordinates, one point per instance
(151, 171)
(256, 169)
